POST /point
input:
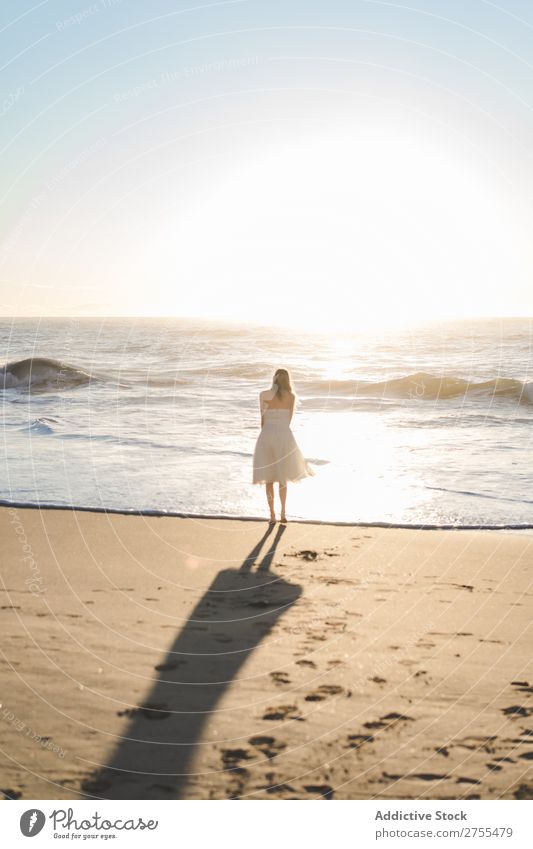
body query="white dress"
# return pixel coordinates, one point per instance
(277, 457)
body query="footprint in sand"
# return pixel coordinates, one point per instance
(310, 663)
(323, 790)
(323, 692)
(239, 778)
(524, 791)
(283, 712)
(422, 676)
(328, 580)
(173, 664)
(417, 776)
(485, 744)
(468, 587)
(11, 794)
(397, 717)
(388, 720)
(517, 710)
(305, 554)
(356, 741)
(278, 788)
(150, 711)
(522, 686)
(232, 757)
(450, 634)
(375, 724)
(338, 625)
(268, 746)
(158, 711)
(280, 677)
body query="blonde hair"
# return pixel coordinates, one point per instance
(282, 379)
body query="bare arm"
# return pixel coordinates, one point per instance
(291, 409)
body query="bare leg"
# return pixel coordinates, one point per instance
(283, 499)
(270, 499)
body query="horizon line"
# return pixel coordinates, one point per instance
(228, 320)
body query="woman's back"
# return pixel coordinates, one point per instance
(277, 417)
(277, 401)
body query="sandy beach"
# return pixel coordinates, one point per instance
(212, 659)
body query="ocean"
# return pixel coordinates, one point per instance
(426, 426)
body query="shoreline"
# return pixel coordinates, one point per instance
(214, 659)
(119, 511)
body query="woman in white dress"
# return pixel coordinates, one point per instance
(277, 457)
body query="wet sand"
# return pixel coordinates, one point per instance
(166, 658)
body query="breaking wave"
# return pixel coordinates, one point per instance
(424, 386)
(40, 374)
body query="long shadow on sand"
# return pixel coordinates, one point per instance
(235, 613)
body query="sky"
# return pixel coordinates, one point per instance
(332, 164)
